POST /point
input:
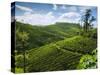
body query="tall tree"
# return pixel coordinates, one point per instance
(23, 38)
(87, 20)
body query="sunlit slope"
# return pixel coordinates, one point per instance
(62, 55)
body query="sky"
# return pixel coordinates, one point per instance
(46, 14)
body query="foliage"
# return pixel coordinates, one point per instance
(19, 70)
(88, 61)
(54, 47)
(55, 57)
(21, 39)
(87, 19)
(91, 34)
(19, 63)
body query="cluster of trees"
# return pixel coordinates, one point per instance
(88, 60)
(87, 20)
(87, 24)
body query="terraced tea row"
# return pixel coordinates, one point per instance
(56, 56)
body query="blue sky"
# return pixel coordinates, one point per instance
(45, 14)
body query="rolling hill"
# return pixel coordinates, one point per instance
(52, 47)
(42, 35)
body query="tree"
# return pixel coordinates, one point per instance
(87, 20)
(23, 42)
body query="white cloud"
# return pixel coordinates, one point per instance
(68, 20)
(49, 18)
(72, 17)
(23, 8)
(37, 19)
(49, 13)
(69, 8)
(63, 7)
(54, 7)
(73, 8)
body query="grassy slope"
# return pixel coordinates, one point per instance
(42, 35)
(55, 57)
(55, 47)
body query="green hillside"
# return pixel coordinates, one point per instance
(60, 46)
(42, 35)
(55, 57)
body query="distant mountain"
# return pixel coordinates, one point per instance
(41, 35)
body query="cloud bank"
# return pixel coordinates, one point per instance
(31, 17)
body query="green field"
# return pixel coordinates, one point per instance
(54, 47)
